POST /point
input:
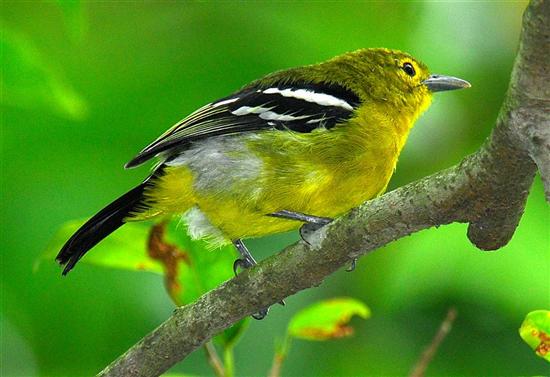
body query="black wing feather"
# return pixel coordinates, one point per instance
(218, 118)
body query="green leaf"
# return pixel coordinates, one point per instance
(30, 81)
(203, 267)
(202, 270)
(535, 331)
(327, 319)
(190, 267)
(124, 249)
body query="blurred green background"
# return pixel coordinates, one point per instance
(85, 85)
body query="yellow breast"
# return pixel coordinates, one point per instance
(323, 173)
(236, 181)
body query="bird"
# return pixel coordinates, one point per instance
(294, 149)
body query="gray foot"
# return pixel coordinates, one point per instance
(298, 216)
(311, 223)
(352, 267)
(247, 261)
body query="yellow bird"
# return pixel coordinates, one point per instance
(297, 147)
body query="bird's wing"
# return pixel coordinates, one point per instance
(296, 107)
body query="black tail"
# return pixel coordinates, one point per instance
(98, 227)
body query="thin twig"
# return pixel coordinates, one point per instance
(425, 359)
(275, 370)
(281, 352)
(214, 360)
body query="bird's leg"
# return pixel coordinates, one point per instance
(311, 224)
(247, 261)
(299, 216)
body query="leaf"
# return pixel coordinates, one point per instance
(327, 319)
(535, 331)
(190, 267)
(28, 80)
(124, 249)
(200, 270)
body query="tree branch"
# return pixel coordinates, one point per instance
(488, 190)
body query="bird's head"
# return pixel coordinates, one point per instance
(389, 76)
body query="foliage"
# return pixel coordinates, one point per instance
(327, 319)
(125, 249)
(324, 320)
(136, 68)
(535, 331)
(191, 269)
(29, 81)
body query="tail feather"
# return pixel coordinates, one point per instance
(99, 226)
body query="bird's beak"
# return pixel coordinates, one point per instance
(439, 83)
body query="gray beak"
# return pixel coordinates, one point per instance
(439, 83)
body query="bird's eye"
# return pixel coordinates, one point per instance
(409, 69)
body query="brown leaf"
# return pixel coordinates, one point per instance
(169, 255)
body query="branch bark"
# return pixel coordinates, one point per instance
(488, 190)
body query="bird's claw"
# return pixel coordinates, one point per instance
(242, 263)
(261, 314)
(311, 223)
(247, 261)
(307, 230)
(353, 264)
(238, 263)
